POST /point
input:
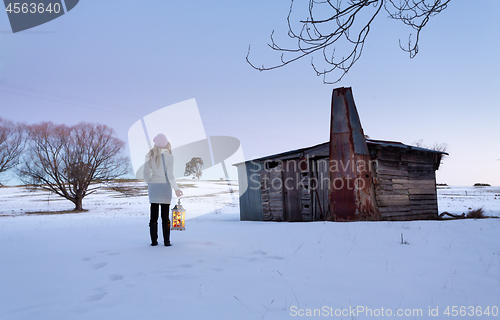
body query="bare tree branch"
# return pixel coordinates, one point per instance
(328, 23)
(12, 144)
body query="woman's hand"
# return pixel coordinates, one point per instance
(178, 193)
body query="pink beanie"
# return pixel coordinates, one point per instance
(160, 140)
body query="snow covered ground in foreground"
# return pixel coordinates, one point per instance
(99, 264)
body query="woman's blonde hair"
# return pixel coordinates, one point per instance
(155, 152)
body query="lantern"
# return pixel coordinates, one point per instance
(178, 217)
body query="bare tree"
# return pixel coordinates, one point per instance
(441, 147)
(332, 24)
(12, 143)
(66, 160)
(194, 167)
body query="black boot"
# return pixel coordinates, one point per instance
(153, 231)
(166, 232)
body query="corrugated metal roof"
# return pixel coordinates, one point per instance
(381, 143)
(282, 154)
(400, 145)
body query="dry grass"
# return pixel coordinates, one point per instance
(476, 214)
(186, 185)
(128, 191)
(127, 180)
(200, 196)
(55, 212)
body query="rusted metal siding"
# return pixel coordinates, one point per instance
(352, 195)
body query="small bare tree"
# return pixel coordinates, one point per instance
(329, 25)
(441, 147)
(66, 160)
(194, 167)
(12, 143)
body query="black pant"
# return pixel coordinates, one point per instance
(165, 222)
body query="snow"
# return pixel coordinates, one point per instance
(99, 264)
(458, 200)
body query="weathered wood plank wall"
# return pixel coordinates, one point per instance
(272, 192)
(405, 184)
(320, 192)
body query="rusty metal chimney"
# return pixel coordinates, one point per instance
(352, 195)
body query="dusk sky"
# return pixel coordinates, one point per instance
(113, 62)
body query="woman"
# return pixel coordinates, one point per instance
(158, 173)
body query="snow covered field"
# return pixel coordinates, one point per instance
(99, 264)
(458, 200)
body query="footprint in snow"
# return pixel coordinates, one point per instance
(86, 259)
(115, 277)
(275, 257)
(113, 253)
(261, 252)
(99, 265)
(95, 297)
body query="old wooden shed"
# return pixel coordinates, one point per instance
(294, 185)
(347, 178)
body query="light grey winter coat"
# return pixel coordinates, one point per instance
(159, 187)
